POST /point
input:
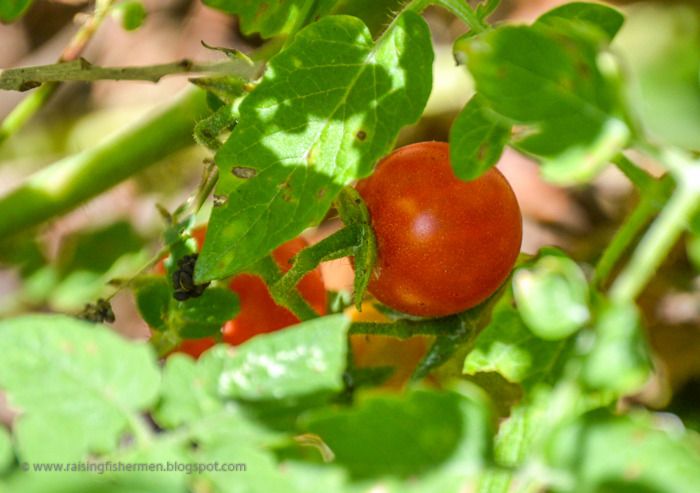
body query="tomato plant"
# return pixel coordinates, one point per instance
(441, 358)
(444, 245)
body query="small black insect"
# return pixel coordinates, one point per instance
(184, 287)
(98, 312)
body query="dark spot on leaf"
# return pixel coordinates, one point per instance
(483, 151)
(220, 200)
(29, 84)
(321, 193)
(361, 135)
(244, 172)
(185, 64)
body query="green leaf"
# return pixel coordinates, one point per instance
(476, 142)
(271, 17)
(78, 385)
(664, 74)
(261, 473)
(625, 454)
(227, 88)
(302, 360)
(11, 10)
(552, 296)
(197, 317)
(619, 360)
(22, 251)
(188, 390)
(97, 250)
(329, 106)
(153, 299)
(557, 85)
(607, 19)
(449, 433)
(7, 455)
(376, 14)
(205, 315)
(508, 347)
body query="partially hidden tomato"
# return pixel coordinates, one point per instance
(444, 245)
(371, 351)
(259, 313)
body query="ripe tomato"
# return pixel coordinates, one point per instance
(195, 347)
(444, 245)
(259, 313)
(378, 350)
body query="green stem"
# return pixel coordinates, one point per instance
(69, 182)
(643, 180)
(462, 10)
(32, 103)
(267, 269)
(657, 242)
(340, 244)
(24, 78)
(651, 202)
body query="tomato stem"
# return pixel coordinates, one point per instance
(651, 202)
(291, 299)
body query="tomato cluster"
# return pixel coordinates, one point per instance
(443, 245)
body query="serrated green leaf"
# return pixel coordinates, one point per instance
(7, 455)
(619, 360)
(271, 17)
(449, 433)
(508, 347)
(476, 142)
(607, 19)
(302, 360)
(11, 10)
(329, 106)
(616, 454)
(79, 382)
(552, 296)
(552, 83)
(153, 299)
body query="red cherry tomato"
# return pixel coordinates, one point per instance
(195, 347)
(259, 313)
(444, 245)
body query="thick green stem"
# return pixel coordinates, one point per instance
(69, 182)
(656, 244)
